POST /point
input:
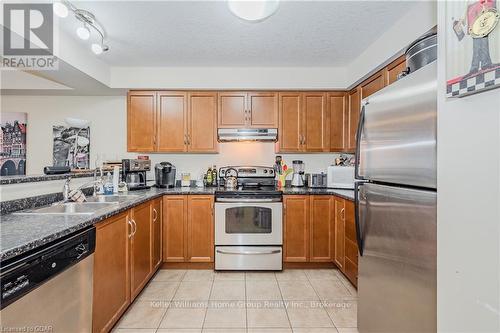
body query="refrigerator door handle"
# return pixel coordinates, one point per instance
(357, 217)
(359, 132)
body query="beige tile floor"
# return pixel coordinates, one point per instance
(295, 300)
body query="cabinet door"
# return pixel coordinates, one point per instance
(174, 228)
(156, 238)
(202, 122)
(233, 110)
(296, 228)
(172, 120)
(290, 122)
(141, 247)
(353, 118)
(111, 272)
(337, 106)
(394, 69)
(316, 128)
(141, 121)
(263, 107)
(200, 228)
(373, 84)
(339, 232)
(321, 228)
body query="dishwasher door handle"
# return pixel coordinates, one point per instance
(248, 252)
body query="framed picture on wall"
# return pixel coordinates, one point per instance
(13, 143)
(71, 147)
(472, 47)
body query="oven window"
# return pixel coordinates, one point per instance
(248, 220)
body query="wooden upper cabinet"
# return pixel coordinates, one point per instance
(141, 121)
(172, 121)
(233, 109)
(316, 120)
(394, 69)
(111, 272)
(202, 122)
(200, 228)
(262, 109)
(373, 84)
(290, 122)
(339, 232)
(156, 230)
(321, 228)
(352, 118)
(337, 107)
(296, 235)
(174, 228)
(141, 247)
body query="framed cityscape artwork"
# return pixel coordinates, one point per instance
(71, 147)
(472, 47)
(13, 143)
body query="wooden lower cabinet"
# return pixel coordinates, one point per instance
(123, 262)
(296, 228)
(141, 245)
(156, 230)
(111, 272)
(321, 228)
(188, 228)
(339, 232)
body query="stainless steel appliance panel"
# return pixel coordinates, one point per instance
(62, 304)
(397, 271)
(397, 131)
(248, 223)
(248, 258)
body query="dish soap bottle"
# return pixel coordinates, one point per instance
(108, 185)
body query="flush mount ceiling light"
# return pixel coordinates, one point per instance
(253, 10)
(89, 23)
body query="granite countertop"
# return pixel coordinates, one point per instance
(22, 233)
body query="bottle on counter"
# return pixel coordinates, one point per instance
(214, 176)
(108, 184)
(209, 176)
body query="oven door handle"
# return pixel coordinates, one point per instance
(248, 252)
(245, 200)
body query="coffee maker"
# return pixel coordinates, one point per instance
(298, 173)
(134, 173)
(165, 174)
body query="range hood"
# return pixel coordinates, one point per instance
(247, 134)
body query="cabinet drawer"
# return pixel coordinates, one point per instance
(351, 251)
(351, 271)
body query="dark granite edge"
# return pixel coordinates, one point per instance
(8, 180)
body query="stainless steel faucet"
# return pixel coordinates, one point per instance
(66, 189)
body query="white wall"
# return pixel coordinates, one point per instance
(230, 77)
(109, 137)
(421, 18)
(468, 207)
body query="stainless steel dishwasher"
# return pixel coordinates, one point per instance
(50, 289)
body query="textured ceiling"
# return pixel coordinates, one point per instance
(205, 33)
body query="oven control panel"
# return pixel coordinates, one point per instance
(249, 171)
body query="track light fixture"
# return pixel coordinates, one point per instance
(63, 7)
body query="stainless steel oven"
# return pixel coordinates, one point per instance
(249, 222)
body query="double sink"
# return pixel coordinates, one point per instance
(89, 207)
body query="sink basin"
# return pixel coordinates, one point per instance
(69, 208)
(111, 198)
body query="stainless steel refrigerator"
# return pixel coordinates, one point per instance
(396, 206)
